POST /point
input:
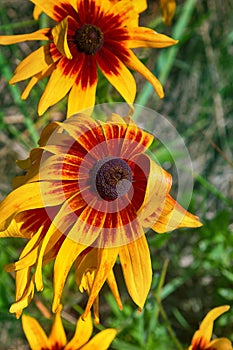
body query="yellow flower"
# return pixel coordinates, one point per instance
(202, 337)
(38, 340)
(89, 34)
(168, 8)
(88, 194)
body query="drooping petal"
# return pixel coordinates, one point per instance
(117, 74)
(56, 9)
(146, 37)
(101, 340)
(83, 93)
(174, 216)
(82, 333)
(36, 336)
(24, 300)
(134, 63)
(41, 34)
(168, 10)
(136, 265)
(36, 62)
(57, 336)
(114, 288)
(67, 254)
(106, 259)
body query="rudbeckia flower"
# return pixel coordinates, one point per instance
(88, 194)
(202, 337)
(38, 340)
(168, 8)
(89, 34)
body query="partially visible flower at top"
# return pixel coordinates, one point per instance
(89, 34)
(87, 196)
(168, 8)
(38, 340)
(202, 337)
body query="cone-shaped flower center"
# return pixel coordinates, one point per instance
(113, 178)
(89, 39)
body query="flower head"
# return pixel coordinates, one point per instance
(88, 34)
(88, 194)
(38, 340)
(202, 337)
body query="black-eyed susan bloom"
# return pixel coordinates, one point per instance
(89, 34)
(57, 340)
(202, 337)
(87, 196)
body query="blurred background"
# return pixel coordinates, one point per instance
(192, 267)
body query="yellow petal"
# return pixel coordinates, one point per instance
(68, 252)
(58, 86)
(174, 216)
(59, 33)
(36, 62)
(22, 198)
(134, 63)
(220, 344)
(117, 74)
(146, 37)
(36, 336)
(41, 34)
(52, 7)
(114, 288)
(82, 333)
(24, 301)
(102, 340)
(206, 326)
(106, 260)
(36, 12)
(136, 265)
(57, 336)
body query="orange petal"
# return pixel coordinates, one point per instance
(136, 265)
(41, 34)
(174, 216)
(146, 37)
(36, 62)
(220, 344)
(56, 9)
(134, 63)
(57, 336)
(36, 336)
(25, 299)
(168, 10)
(117, 74)
(82, 333)
(101, 340)
(114, 288)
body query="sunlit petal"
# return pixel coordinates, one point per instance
(36, 336)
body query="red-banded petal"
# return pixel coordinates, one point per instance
(146, 37)
(41, 34)
(136, 265)
(83, 92)
(101, 340)
(135, 141)
(57, 337)
(117, 74)
(106, 260)
(174, 216)
(36, 336)
(134, 63)
(60, 82)
(56, 9)
(82, 334)
(36, 62)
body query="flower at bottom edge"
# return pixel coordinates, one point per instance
(88, 194)
(202, 337)
(38, 340)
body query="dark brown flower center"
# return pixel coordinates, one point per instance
(89, 39)
(113, 178)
